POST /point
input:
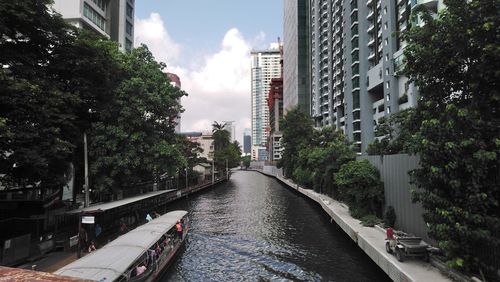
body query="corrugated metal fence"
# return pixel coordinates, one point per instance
(394, 173)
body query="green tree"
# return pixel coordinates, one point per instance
(297, 130)
(224, 150)
(317, 163)
(246, 161)
(360, 186)
(395, 133)
(89, 68)
(134, 141)
(457, 128)
(37, 117)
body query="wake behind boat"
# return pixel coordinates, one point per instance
(140, 255)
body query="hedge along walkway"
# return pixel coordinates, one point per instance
(370, 240)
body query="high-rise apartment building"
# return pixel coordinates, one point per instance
(355, 62)
(113, 19)
(230, 126)
(247, 141)
(265, 65)
(296, 48)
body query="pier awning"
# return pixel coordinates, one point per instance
(119, 203)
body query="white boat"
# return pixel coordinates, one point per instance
(119, 259)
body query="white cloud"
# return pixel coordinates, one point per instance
(153, 33)
(219, 85)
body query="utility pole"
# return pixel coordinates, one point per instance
(186, 177)
(227, 171)
(213, 172)
(87, 199)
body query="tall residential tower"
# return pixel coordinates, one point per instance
(296, 48)
(355, 57)
(265, 65)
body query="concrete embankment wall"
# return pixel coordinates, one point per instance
(369, 239)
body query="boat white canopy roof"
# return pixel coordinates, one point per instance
(112, 260)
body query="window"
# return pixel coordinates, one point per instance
(355, 99)
(388, 97)
(130, 11)
(355, 69)
(128, 45)
(129, 28)
(93, 16)
(354, 17)
(355, 43)
(100, 3)
(355, 56)
(356, 126)
(355, 82)
(354, 30)
(356, 115)
(357, 136)
(388, 110)
(388, 84)
(386, 42)
(385, 25)
(386, 71)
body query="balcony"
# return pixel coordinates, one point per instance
(371, 28)
(371, 56)
(371, 42)
(370, 15)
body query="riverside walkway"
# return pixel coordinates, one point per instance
(369, 239)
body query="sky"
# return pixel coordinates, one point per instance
(207, 43)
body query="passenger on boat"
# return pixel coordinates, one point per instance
(158, 249)
(92, 247)
(155, 214)
(178, 226)
(140, 269)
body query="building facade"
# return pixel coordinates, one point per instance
(355, 63)
(206, 141)
(265, 65)
(230, 127)
(275, 105)
(296, 48)
(113, 19)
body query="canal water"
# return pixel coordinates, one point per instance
(254, 229)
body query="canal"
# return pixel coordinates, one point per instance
(252, 228)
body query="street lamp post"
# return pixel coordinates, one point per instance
(87, 198)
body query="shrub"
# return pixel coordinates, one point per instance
(370, 220)
(359, 185)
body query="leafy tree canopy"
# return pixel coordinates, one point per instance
(360, 186)
(457, 128)
(36, 121)
(395, 134)
(134, 141)
(297, 130)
